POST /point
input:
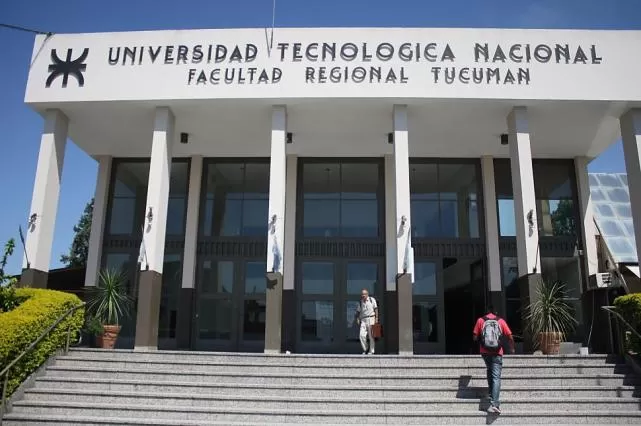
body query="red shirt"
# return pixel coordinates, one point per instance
(505, 330)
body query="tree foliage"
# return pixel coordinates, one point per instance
(77, 256)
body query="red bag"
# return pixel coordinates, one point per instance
(377, 331)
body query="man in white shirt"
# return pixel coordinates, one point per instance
(366, 316)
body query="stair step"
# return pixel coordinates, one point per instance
(359, 368)
(374, 405)
(347, 378)
(119, 385)
(188, 415)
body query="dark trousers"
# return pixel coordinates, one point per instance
(494, 364)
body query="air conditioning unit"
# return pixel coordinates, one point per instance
(602, 280)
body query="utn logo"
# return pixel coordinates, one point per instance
(67, 67)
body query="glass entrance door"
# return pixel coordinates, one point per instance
(230, 306)
(328, 295)
(428, 326)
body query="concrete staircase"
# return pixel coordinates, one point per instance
(202, 388)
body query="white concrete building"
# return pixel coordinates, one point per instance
(431, 166)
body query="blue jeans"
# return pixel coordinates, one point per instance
(494, 364)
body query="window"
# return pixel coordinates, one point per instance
(444, 200)
(235, 200)
(340, 199)
(555, 193)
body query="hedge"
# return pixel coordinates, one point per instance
(629, 306)
(21, 326)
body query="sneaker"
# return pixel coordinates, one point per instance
(494, 410)
(364, 353)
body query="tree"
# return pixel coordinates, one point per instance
(77, 257)
(563, 222)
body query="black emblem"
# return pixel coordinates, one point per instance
(67, 67)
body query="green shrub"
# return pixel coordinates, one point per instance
(24, 324)
(629, 306)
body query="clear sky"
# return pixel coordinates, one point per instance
(20, 127)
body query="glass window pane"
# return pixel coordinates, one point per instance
(256, 180)
(214, 318)
(360, 276)
(611, 228)
(232, 218)
(562, 217)
(217, 277)
(359, 181)
(449, 219)
(318, 277)
(552, 180)
(321, 218)
(208, 217)
(608, 180)
(123, 190)
(122, 216)
(597, 195)
(425, 220)
(425, 280)
(351, 328)
(255, 280)
(176, 216)
(254, 319)
(425, 321)
(317, 322)
(424, 181)
(623, 210)
(255, 218)
(604, 210)
(321, 181)
(629, 227)
(359, 218)
(507, 218)
(618, 195)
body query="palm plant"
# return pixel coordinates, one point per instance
(109, 300)
(550, 317)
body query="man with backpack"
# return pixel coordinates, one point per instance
(366, 317)
(489, 331)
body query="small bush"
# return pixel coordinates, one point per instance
(24, 324)
(629, 306)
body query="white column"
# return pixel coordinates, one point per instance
(191, 225)
(290, 224)
(46, 191)
(277, 190)
(631, 135)
(158, 191)
(588, 230)
(390, 225)
(491, 225)
(402, 186)
(100, 199)
(527, 234)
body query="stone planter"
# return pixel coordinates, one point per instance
(550, 342)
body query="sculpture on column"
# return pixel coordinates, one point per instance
(275, 249)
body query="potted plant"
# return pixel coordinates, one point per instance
(93, 330)
(550, 318)
(109, 302)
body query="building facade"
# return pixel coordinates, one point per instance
(251, 182)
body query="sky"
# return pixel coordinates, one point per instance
(20, 127)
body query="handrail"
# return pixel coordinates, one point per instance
(612, 310)
(5, 371)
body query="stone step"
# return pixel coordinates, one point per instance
(321, 359)
(342, 379)
(510, 367)
(202, 416)
(237, 400)
(81, 383)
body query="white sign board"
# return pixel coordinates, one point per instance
(337, 63)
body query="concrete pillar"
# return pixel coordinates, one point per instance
(391, 296)
(100, 199)
(186, 297)
(276, 230)
(587, 228)
(154, 231)
(492, 233)
(289, 258)
(631, 134)
(44, 202)
(404, 257)
(527, 234)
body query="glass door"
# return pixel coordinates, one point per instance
(230, 306)
(428, 326)
(328, 295)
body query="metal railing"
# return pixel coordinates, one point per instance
(4, 374)
(613, 311)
